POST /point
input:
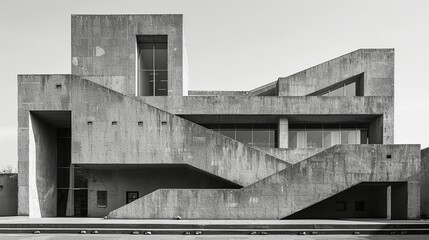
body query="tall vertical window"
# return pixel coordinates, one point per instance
(152, 65)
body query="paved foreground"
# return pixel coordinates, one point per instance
(222, 237)
(97, 228)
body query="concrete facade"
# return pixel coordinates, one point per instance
(90, 144)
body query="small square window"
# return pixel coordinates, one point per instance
(341, 206)
(132, 196)
(114, 123)
(89, 122)
(58, 86)
(102, 199)
(359, 206)
(1, 187)
(140, 124)
(389, 156)
(163, 123)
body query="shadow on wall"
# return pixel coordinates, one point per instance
(8, 194)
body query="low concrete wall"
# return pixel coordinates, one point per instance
(8, 194)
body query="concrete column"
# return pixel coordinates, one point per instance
(389, 202)
(413, 200)
(283, 137)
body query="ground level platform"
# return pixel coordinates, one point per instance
(10, 225)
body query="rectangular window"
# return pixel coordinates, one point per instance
(330, 138)
(152, 65)
(348, 137)
(132, 196)
(102, 199)
(327, 135)
(293, 139)
(314, 139)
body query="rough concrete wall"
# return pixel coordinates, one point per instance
(105, 45)
(45, 170)
(145, 181)
(9, 194)
(277, 106)
(35, 94)
(216, 93)
(376, 64)
(292, 189)
(160, 138)
(424, 184)
(115, 83)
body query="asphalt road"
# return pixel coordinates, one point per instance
(208, 237)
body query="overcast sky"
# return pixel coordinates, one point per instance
(233, 45)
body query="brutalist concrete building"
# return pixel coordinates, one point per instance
(121, 136)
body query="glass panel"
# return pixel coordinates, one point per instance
(161, 56)
(351, 89)
(81, 203)
(244, 136)
(348, 137)
(293, 139)
(273, 138)
(327, 138)
(146, 56)
(301, 139)
(314, 139)
(330, 138)
(63, 177)
(228, 133)
(161, 83)
(339, 92)
(80, 178)
(63, 151)
(261, 138)
(357, 137)
(335, 138)
(62, 198)
(101, 199)
(132, 196)
(364, 137)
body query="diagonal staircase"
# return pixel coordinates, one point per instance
(290, 190)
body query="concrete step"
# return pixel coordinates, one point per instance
(152, 231)
(218, 229)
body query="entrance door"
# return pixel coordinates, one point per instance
(81, 203)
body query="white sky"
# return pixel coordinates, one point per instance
(233, 45)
